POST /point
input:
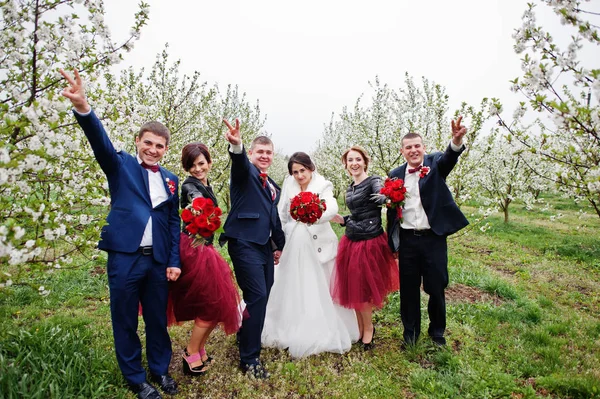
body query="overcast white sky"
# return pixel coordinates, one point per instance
(305, 60)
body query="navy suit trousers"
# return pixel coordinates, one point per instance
(254, 270)
(422, 258)
(135, 278)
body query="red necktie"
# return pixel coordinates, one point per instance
(413, 170)
(264, 177)
(154, 168)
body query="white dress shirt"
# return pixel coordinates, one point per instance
(413, 214)
(158, 195)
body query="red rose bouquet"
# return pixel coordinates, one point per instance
(395, 194)
(202, 219)
(307, 207)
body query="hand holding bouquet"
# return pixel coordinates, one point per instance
(395, 194)
(202, 219)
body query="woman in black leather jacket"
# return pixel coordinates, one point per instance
(365, 269)
(205, 292)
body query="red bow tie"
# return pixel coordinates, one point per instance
(154, 168)
(263, 177)
(413, 170)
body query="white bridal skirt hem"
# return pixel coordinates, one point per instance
(301, 315)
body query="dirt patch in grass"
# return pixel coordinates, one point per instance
(456, 346)
(425, 362)
(539, 390)
(98, 271)
(501, 267)
(465, 293)
(477, 249)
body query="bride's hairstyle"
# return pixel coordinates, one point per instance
(192, 151)
(301, 158)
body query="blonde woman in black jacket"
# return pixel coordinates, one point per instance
(365, 268)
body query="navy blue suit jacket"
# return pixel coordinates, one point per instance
(443, 214)
(253, 215)
(131, 205)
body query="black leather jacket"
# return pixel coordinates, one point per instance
(365, 220)
(193, 188)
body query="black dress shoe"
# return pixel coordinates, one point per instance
(256, 370)
(145, 391)
(439, 341)
(166, 383)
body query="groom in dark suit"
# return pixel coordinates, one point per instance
(429, 216)
(142, 242)
(255, 238)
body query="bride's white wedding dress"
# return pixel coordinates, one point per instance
(301, 315)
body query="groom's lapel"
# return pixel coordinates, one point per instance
(144, 175)
(403, 171)
(266, 189)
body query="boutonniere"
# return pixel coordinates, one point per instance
(424, 172)
(171, 185)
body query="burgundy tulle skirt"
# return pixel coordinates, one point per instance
(205, 289)
(365, 273)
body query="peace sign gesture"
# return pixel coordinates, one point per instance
(233, 135)
(76, 92)
(458, 131)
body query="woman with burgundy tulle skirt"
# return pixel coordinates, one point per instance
(205, 291)
(365, 268)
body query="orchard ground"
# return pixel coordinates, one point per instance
(523, 322)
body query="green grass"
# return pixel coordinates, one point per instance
(523, 322)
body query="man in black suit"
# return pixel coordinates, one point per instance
(255, 238)
(429, 216)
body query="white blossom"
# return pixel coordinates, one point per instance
(19, 232)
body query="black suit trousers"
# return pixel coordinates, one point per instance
(254, 272)
(422, 258)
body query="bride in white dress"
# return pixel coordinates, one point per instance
(301, 315)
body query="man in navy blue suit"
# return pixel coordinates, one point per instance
(255, 238)
(429, 216)
(142, 242)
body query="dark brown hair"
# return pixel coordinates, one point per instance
(361, 151)
(157, 128)
(301, 158)
(192, 151)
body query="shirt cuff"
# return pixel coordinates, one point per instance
(236, 149)
(456, 148)
(83, 113)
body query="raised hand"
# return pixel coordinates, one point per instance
(76, 92)
(458, 131)
(233, 135)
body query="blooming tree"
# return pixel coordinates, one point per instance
(506, 176)
(49, 187)
(190, 108)
(279, 170)
(564, 91)
(379, 125)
